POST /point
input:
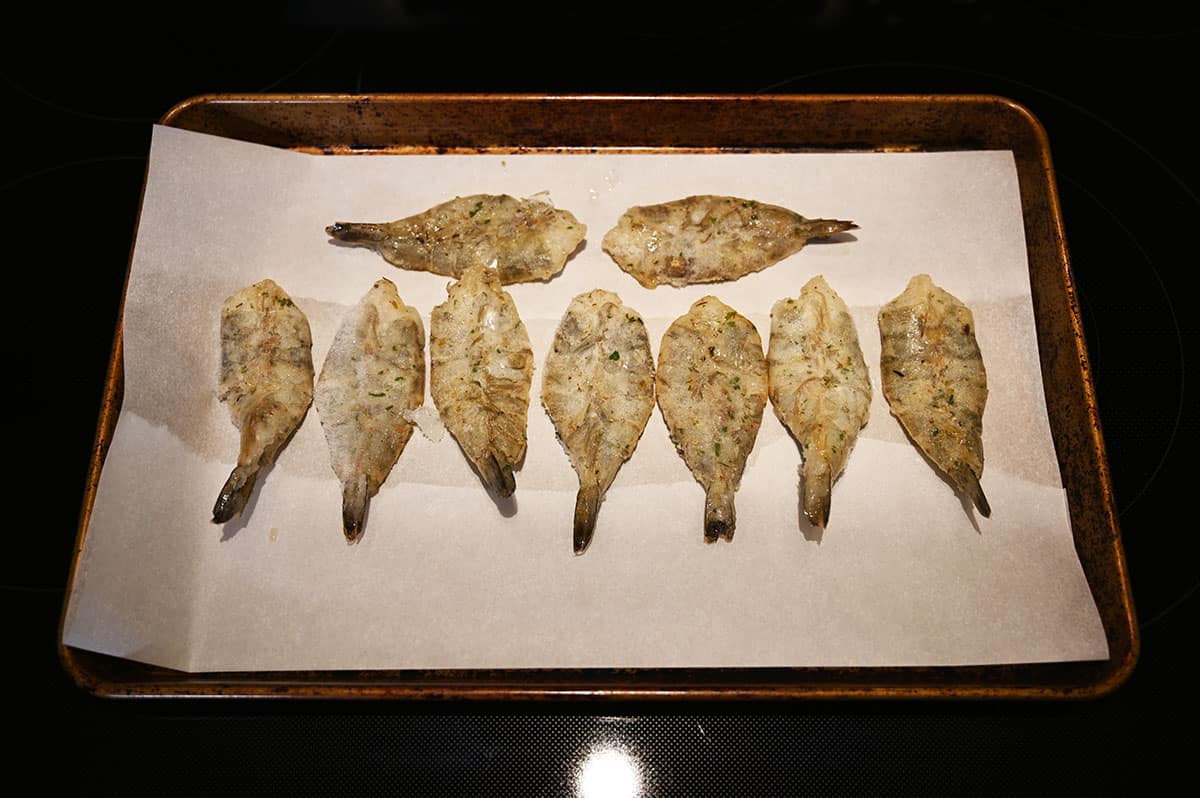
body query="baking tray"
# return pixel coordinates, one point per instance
(355, 125)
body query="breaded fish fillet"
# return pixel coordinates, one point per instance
(267, 380)
(373, 375)
(527, 239)
(935, 382)
(706, 239)
(598, 389)
(819, 384)
(480, 374)
(712, 387)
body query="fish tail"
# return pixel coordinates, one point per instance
(357, 232)
(587, 504)
(498, 476)
(817, 491)
(719, 515)
(354, 507)
(975, 492)
(823, 228)
(235, 493)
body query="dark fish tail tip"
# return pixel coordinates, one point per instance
(820, 518)
(587, 503)
(975, 492)
(498, 477)
(234, 495)
(715, 529)
(354, 508)
(226, 513)
(223, 511)
(719, 515)
(357, 232)
(817, 512)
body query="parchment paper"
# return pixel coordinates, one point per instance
(445, 577)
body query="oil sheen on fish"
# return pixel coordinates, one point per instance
(266, 379)
(373, 376)
(481, 370)
(712, 387)
(706, 239)
(819, 386)
(527, 239)
(598, 389)
(935, 382)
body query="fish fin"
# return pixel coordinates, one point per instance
(354, 507)
(817, 493)
(357, 232)
(587, 504)
(719, 515)
(235, 493)
(498, 476)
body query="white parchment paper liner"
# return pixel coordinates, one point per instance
(445, 577)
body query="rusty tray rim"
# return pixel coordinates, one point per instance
(673, 684)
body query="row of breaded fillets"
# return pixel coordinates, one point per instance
(599, 388)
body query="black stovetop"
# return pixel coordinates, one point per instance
(1112, 84)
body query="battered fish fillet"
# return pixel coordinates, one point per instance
(598, 389)
(267, 380)
(706, 239)
(481, 369)
(528, 239)
(712, 387)
(934, 380)
(819, 384)
(373, 375)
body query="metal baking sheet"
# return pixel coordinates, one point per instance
(327, 139)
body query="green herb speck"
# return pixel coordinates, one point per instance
(615, 356)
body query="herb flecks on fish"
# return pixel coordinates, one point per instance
(713, 404)
(377, 352)
(819, 386)
(481, 371)
(598, 389)
(525, 239)
(267, 381)
(705, 239)
(928, 349)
